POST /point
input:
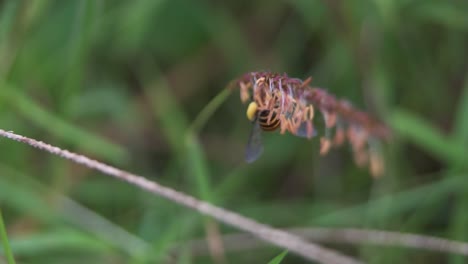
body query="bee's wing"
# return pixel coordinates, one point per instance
(254, 145)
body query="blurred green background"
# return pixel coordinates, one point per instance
(122, 81)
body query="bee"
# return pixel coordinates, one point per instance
(269, 110)
(262, 121)
(269, 120)
(266, 122)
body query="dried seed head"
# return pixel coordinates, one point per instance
(290, 103)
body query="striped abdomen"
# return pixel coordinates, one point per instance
(268, 124)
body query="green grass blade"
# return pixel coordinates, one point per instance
(175, 126)
(7, 17)
(26, 201)
(279, 258)
(209, 110)
(171, 118)
(26, 195)
(419, 132)
(460, 132)
(60, 128)
(78, 46)
(401, 202)
(57, 239)
(458, 228)
(189, 152)
(443, 13)
(5, 243)
(198, 166)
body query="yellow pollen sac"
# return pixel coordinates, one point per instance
(251, 111)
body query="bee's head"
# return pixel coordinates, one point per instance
(251, 111)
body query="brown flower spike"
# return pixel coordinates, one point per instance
(279, 101)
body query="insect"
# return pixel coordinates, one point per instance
(271, 109)
(267, 120)
(278, 102)
(261, 120)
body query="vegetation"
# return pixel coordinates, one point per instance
(129, 82)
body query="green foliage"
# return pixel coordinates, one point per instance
(279, 258)
(5, 243)
(140, 85)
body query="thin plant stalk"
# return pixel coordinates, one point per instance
(236, 242)
(293, 243)
(208, 110)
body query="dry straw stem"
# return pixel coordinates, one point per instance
(238, 242)
(277, 237)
